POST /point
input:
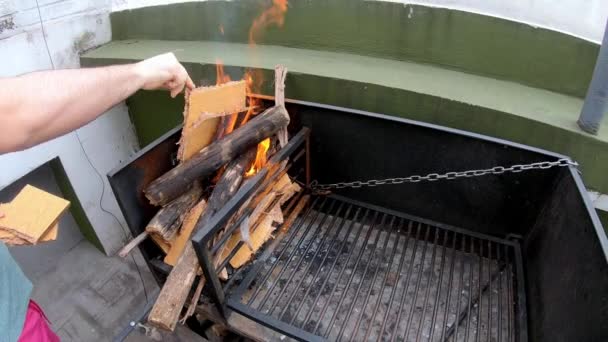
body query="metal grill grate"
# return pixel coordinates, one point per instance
(348, 271)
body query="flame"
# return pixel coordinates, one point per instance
(273, 15)
(253, 102)
(220, 76)
(260, 158)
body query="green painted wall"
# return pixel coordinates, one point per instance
(154, 113)
(453, 39)
(75, 207)
(604, 218)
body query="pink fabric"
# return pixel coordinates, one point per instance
(36, 327)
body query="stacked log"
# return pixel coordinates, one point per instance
(186, 208)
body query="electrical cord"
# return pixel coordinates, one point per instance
(103, 184)
(103, 190)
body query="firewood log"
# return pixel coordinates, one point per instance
(174, 293)
(177, 181)
(166, 222)
(168, 219)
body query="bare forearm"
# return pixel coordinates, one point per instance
(43, 105)
(40, 106)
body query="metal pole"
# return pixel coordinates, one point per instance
(596, 101)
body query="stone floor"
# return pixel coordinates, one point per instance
(86, 295)
(91, 297)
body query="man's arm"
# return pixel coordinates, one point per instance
(39, 106)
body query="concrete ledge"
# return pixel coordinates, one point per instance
(397, 30)
(421, 92)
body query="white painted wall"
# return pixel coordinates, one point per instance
(73, 25)
(585, 19)
(70, 27)
(582, 18)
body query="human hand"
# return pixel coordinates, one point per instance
(163, 72)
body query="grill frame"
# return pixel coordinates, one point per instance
(202, 239)
(564, 211)
(235, 298)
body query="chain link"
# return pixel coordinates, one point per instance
(432, 177)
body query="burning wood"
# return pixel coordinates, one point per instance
(167, 221)
(165, 224)
(175, 182)
(257, 229)
(223, 135)
(174, 293)
(183, 237)
(235, 154)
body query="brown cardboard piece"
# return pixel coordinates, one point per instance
(203, 105)
(32, 214)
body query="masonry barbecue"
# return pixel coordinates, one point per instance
(511, 256)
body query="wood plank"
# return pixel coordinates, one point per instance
(236, 237)
(169, 218)
(32, 213)
(258, 237)
(164, 225)
(296, 211)
(126, 249)
(286, 188)
(160, 242)
(283, 189)
(173, 295)
(183, 236)
(200, 127)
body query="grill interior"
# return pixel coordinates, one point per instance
(350, 271)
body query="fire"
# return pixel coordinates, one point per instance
(220, 76)
(260, 158)
(254, 102)
(273, 15)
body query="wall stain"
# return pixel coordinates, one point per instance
(7, 24)
(84, 43)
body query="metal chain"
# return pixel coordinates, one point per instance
(431, 177)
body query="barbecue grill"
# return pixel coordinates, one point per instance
(511, 256)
